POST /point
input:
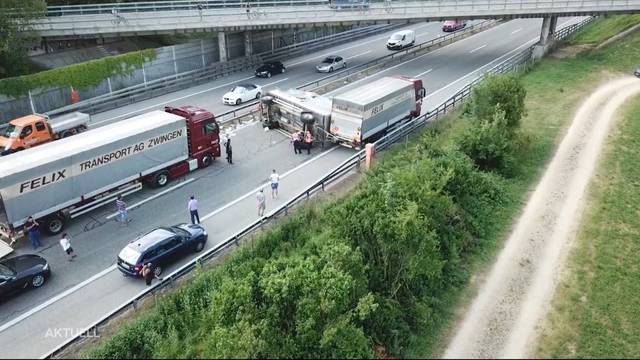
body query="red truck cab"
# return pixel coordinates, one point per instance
(204, 137)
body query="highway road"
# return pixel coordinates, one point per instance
(81, 292)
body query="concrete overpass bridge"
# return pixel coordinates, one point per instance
(184, 16)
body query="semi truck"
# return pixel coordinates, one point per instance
(64, 179)
(33, 130)
(351, 119)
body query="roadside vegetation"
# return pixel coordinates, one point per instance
(16, 29)
(595, 311)
(382, 270)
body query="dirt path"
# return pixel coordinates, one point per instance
(503, 319)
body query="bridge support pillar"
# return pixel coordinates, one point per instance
(222, 46)
(248, 43)
(546, 36)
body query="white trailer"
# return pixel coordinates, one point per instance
(361, 113)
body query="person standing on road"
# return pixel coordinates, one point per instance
(122, 211)
(147, 273)
(295, 139)
(192, 206)
(275, 178)
(66, 246)
(31, 226)
(228, 150)
(262, 202)
(308, 141)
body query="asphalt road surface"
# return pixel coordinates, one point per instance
(84, 290)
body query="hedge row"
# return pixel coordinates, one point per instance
(80, 76)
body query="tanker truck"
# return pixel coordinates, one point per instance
(61, 180)
(353, 118)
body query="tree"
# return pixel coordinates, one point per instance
(505, 91)
(16, 27)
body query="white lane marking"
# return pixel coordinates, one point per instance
(275, 82)
(176, 186)
(423, 73)
(254, 191)
(355, 56)
(172, 100)
(478, 48)
(516, 31)
(489, 63)
(54, 299)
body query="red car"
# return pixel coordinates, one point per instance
(453, 25)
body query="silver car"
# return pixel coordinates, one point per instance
(331, 63)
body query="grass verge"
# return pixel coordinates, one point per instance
(604, 28)
(595, 310)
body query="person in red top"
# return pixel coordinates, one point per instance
(308, 141)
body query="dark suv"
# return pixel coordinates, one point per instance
(270, 68)
(160, 247)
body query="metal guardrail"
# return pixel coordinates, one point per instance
(515, 62)
(147, 6)
(178, 81)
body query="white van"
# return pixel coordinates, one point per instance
(401, 40)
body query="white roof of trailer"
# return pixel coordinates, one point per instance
(94, 138)
(366, 94)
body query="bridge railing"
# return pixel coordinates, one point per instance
(513, 63)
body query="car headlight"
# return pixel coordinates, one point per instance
(204, 232)
(45, 267)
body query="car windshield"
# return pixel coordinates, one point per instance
(237, 90)
(9, 131)
(180, 231)
(396, 37)
(327, 61)
(130, 255)
(449, 22)
(5, 271)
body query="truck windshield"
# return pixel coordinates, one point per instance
(9, 131)
(396, 36)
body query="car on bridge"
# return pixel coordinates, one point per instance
(453, 25)
(22, 272)
(161, 246)
(242, 93)
(331, 63)
(270, 68)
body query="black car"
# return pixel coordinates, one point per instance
(21, 272)
(160, 247)
(270, 68)
(637, 72)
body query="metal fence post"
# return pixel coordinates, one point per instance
(109, 84)
(204, 63)
(33, 108)
(175, 64)
(144, 76)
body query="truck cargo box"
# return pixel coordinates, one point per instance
(69, 121)
(61, 173)
(364, 111)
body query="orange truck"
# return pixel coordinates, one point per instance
(33, 130)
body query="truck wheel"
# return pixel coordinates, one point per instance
(65, 134)
(54, 225)
(160, 179)
(207, 160)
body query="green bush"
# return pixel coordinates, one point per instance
(503, 91)
(80, 76)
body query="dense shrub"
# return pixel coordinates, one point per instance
(505, 92)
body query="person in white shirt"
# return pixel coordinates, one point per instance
(275, 178)
(262, 204)
(192, 206)
(66, 246)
